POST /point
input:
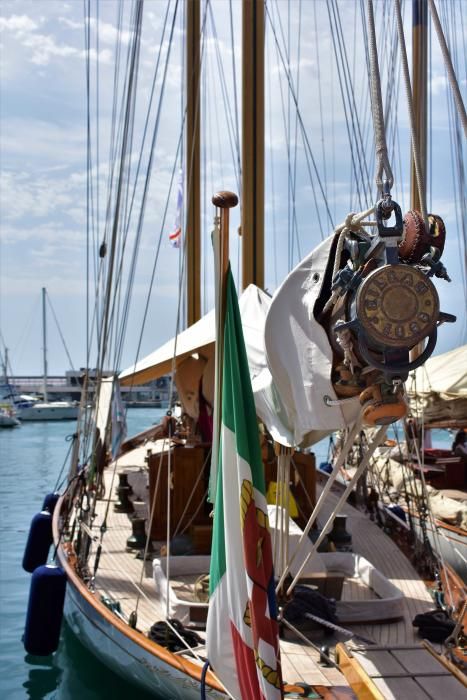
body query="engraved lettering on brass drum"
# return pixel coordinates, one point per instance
(397, 306)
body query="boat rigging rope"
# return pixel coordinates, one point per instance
(307, 641)
(308, 150)
(383, 165)
(449, 67)
(59, 331)
(147, 180)
(359, 471)
(190, 497)
(354, 223)
(421, 463)
(357, 150)
(336, 469)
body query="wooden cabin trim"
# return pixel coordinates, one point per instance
(357, 677)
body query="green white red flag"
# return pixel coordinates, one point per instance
(242, 630)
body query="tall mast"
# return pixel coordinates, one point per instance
(419, 99)
(253, 143)
(193, 162)
(419, 89)
(44, 344)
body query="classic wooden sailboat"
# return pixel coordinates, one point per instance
(145, 615)
(415, 471)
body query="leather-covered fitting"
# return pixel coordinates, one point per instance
(416, 240)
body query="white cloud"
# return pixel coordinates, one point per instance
(18, 23)
(45, 47)
(108, 33)
(438, 84)
(42, 46)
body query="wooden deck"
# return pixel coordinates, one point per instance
(400, 672)
(123, 577)
(371, 542)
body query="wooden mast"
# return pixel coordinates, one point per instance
(193, 163)
(252, 226)
(419, 91)
(419, 100)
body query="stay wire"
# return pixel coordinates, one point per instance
(139, 226)
(291, 200)
(231, 130)
(353, 150)
(295, 232)
(121, 181)
(308, 150)
(320, 98)
(156, 259)
(60, 331)
(448, 65)
(350, 93)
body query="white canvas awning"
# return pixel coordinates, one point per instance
(438, 389)
(199, 339)
(444, 374)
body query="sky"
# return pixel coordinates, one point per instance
(43, 158)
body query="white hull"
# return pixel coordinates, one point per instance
(125, 657)
(8, 421)
(56, 410)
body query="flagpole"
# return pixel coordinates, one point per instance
(223, 201)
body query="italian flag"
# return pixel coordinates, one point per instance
(242, 631)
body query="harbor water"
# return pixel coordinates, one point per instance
(31, 459)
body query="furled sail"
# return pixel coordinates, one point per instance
(299, 353)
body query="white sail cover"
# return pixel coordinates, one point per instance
(438, 389)
(299, 354)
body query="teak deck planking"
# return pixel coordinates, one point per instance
(120, 572)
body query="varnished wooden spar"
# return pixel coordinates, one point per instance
(223, 201)
(419, 89)
(252, 228)
(193, 163)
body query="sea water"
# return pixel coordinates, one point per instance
(31, 460)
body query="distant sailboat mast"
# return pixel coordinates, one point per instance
(44, 345)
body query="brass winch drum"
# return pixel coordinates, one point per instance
(397, 306)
